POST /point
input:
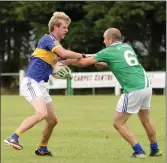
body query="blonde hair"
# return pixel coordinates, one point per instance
(57, 18)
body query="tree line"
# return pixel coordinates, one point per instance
(142, 23)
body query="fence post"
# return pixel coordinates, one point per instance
(21, 75)
(117, 89)
(69, 87)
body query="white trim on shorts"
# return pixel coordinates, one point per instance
(132, 102)
(125, 103)
(31, 89)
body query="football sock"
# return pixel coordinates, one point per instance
(154, 147)
(138, 148)
(43, 148)
(15, 136)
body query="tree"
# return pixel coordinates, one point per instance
(143, 25)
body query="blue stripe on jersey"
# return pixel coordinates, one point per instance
(38, 69)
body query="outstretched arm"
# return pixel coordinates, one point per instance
(82, 62)
(64, 53)
(73, 62)
(101, 65)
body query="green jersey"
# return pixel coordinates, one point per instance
(124, 64)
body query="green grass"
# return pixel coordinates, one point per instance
(84, 134)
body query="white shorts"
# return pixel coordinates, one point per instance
(31, 89)
(134, 101)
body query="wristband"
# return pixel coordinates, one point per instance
(83, 55)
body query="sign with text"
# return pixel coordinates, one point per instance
(93, 80)
(100, 80)
(157, 79)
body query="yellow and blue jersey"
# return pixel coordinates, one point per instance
(43, 58)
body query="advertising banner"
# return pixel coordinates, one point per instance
(100, 80)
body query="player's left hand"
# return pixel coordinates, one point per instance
(63, 72)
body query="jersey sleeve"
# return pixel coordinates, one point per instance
(101, 56)
(52, 44)
(48, 43)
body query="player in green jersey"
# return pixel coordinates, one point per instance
(137, 92)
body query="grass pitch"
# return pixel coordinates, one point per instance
(84, 134)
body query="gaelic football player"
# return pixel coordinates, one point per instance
(137, 92)
(47, 53)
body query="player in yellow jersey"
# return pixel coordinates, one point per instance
(48, 52)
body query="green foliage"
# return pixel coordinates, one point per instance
(22, 24)
(139, 22)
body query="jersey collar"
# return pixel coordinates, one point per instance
(53, 36)
(115, 43)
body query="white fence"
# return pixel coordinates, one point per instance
(99, 80)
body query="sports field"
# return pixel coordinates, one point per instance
(84, 134)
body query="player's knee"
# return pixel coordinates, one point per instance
(145, 121)
(53, 122)
(116, 125)
(41, 115)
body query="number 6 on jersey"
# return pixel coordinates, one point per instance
(130, 58)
